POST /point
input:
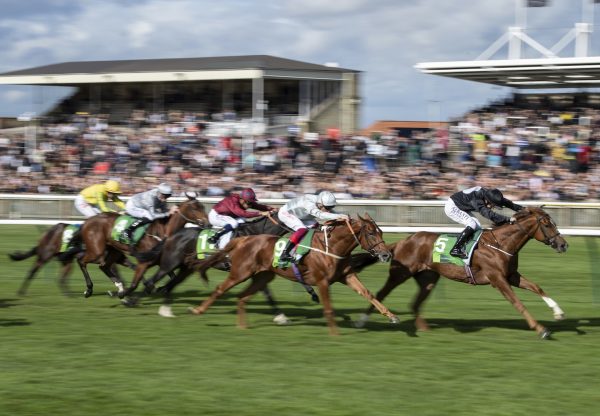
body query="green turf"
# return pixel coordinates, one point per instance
(74, 356)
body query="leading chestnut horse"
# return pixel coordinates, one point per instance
(494, 262)
(96, 234)
(327, 262)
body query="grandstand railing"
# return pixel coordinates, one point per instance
(392, 215)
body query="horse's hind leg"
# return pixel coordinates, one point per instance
(165, 309)
(258, 282)
(25, 285)
(232, 280)
(323, 286)
(426, 281)
(353, 282)
(280, 318)
(63, 280)
(110, 269)
(518, 280)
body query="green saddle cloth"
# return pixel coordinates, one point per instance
(203, 248)
(300, 250)
(67, 236)
(445, 242)
(121, 224)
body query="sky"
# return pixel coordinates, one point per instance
(382, 38)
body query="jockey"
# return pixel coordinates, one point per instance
(148, 206)
(228, 212)
(304, 211)
(92, 200)
(461, 204)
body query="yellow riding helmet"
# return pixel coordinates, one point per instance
(113, 187)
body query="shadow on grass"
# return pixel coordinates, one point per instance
(14, 322)
(8, 303)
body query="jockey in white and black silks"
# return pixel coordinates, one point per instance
(477, 199)
(303, 212)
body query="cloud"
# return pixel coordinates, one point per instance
(13, 96)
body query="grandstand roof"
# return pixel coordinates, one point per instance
(547, 73)
(180, 69)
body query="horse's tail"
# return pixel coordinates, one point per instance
(149, 255)
(22, 255)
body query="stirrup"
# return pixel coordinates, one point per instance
(458, 253)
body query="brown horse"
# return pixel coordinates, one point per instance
(327, 262)
(96, 234)
(494, 262)
(47, 248)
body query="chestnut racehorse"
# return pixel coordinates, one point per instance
(327, 262)
(494, 262)
(96, 234)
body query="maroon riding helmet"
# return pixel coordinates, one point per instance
(248, 194)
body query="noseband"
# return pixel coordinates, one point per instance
(370, 249)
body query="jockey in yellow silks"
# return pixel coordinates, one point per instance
(92, 200)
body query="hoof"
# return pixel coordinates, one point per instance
(161, 290)
(394, 319)
(88, 293)
(281, 319)
(545, 334)
(165, 311)
(129, 302)
(361, 321)
(193, 311)
(559, 316)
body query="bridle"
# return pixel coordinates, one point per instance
(370, 249)
(548, 239)
(196, 222)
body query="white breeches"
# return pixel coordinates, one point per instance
(460, 216)
(294, 222)
(86, 209)
(218, 220)
(137, 212)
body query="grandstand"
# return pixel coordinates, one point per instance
(280, 92)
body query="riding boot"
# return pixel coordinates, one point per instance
(459, 247)
(285, 255)
(219, 234)
(128, 232)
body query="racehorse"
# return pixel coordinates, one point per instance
(327, 262)
(180, 249)
(48, 247)
(494, 262)
(96, 234)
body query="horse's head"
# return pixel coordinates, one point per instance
(541, 227)
(193, 211)
(370, 238)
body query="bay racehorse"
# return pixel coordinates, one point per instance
(178, 251)
(327, 262)
(47, 248)
(96, 235)
(494, 262)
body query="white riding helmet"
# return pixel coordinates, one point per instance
(165, 189)
(326, 199)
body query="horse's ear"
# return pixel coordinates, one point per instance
(367, 216)
(359, 217)
(191, 195)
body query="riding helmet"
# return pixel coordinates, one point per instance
(248, 194)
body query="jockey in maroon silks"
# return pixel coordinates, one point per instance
(231, 211)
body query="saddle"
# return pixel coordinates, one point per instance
(299, 252)
(445, 242)
(121, 224)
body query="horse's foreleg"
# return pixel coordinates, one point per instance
(353, 282)
(165, 309)
(518, 280)
(258, 282)
(137, 276)
(86, 275)
(395, 278)
(323, 286)
(232, 280)
(504, 288)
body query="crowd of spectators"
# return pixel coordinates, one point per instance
(528, 154)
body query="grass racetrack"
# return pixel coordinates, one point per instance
(75, 356)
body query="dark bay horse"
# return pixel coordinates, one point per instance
(178, 251)
(494, 262)
(47, 248)
(96, 234)
(327, 262)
